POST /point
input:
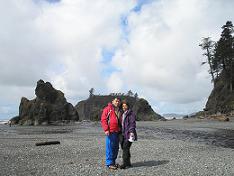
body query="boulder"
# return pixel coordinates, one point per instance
(48, 107)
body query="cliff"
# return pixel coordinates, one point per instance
(221, 99)
(91, 108)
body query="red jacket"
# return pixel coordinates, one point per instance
(113, 119)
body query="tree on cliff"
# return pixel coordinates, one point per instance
(91, 92)
(136, 96)
(208, 45)
(130, 94)
(224, 53)
(220, 55)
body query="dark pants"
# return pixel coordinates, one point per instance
(125, 145)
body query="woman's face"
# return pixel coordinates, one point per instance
(125, 107)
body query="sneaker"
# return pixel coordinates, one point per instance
(129, 165)
(112, 167)
(123, 166)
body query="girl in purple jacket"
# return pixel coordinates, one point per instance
(129, 134)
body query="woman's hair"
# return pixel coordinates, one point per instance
(125, 102)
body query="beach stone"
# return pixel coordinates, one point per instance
(49, 106)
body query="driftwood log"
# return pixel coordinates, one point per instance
(220, 117)
(47, 143)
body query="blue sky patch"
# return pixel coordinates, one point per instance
(108, 70)
(124, 27)
(140, 3)
(107, 55)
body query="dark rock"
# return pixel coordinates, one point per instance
(221, 99)
(49, 106)
(45, 91)
(91, 109)
(15, 120)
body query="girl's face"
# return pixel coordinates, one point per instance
(125, 107)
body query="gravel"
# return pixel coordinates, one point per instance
(178, 147)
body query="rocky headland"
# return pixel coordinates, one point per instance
(91, 108)
(49, 106)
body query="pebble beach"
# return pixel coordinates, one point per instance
(176, 147)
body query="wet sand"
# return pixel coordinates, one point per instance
(178, 147)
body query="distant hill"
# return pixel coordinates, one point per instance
(173, 115)
(51, 107)
(3, 122)
(91, 108)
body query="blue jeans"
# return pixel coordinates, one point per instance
(112, 148)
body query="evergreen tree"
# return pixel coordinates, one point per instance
(220, 55)
(91, 91)
(208, 45)
(224, 53)
(136, 96)
(130, 94)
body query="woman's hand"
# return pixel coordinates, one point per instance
(132, 135)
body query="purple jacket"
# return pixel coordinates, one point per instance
(129, 125)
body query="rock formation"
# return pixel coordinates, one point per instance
(91, 108)
(49, 106)
(221, 62)
(221, 99)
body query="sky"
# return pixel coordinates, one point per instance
(147, 46)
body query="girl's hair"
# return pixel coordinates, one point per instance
(125, 102)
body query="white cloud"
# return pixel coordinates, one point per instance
(59, 42)
(62, 43)
(161, 59)
(81, 29)
(115, 83)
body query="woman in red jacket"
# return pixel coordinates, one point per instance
(110, 124)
